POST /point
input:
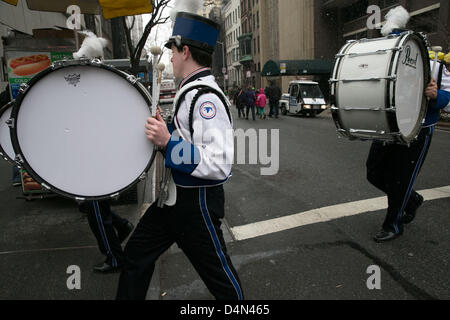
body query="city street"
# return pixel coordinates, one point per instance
(304, 233)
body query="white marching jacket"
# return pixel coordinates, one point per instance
(201, 149)
(445, 85)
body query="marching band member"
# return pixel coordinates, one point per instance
(393, 168)
(194, 221)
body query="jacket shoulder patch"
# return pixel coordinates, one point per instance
(208, 110)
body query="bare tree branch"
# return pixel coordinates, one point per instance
(156, 18)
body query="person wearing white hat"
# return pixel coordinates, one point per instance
(393, 168)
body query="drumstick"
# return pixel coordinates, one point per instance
(155, 51)
(436, 50)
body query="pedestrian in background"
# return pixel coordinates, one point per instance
(261, 101)
(239, 102)
(274, 95)
(250, 99)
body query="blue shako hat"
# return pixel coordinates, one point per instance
(194, 30)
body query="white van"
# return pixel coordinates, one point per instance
(305, 98)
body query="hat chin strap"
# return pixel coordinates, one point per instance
(179, 41)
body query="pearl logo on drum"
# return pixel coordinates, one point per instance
(73, 79)
(408, 60)
(363, 66)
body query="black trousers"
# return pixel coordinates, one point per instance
(393, 168)
(104, 223)
(273, 108)
(194, 224)
(248, 108)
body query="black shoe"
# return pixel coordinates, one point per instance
(410, 212)
(125, 232)
(105, 267)
(386, 235)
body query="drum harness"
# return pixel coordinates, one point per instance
(203, 88)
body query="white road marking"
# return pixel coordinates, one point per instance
(325, 214)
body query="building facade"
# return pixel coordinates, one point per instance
(313, 31)
(232, 30)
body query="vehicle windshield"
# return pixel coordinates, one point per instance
(310, 91)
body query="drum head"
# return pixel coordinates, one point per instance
(80, 130)
(6, 147)
(409, 98)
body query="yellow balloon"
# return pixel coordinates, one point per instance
(447, 58)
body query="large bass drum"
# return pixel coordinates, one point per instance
(6, 147)
(78, 128)
(378, 87)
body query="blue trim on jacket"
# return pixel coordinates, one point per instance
(182, 172)
(435, 106)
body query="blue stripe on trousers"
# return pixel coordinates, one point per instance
(103, 234)
(413, 179)
(216, 242)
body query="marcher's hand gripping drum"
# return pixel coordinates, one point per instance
(6, 147)
(78, 129)
(377, 88)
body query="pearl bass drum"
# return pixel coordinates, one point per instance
(377, 88)
(78, 128)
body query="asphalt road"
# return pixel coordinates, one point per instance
(40, 239)
(329, 260)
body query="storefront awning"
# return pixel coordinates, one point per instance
(297, 67)
(338, 3)
(109, 8)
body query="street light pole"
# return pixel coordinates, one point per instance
(223, 64)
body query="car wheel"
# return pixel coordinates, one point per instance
(283, 110)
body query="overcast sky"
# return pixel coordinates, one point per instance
(161, 33)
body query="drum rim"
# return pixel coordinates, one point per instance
(391, 118)
(424, 105)
(15, 141)
(3, 153)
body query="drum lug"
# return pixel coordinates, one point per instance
(143, 177)
(45, 186)
(19, 159)
(132, 79)
(80, 199)
(96, 61)
(23, 87)
(10, 123)
(115, 196)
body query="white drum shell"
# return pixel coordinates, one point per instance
(365, 107)
(5, 135)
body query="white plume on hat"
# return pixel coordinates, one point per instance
(92, 46)
(397, 18)
(191, 6)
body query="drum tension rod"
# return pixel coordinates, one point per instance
(369, 109)
(391, 78)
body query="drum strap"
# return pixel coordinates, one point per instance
(441, 71)
(202, 89)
